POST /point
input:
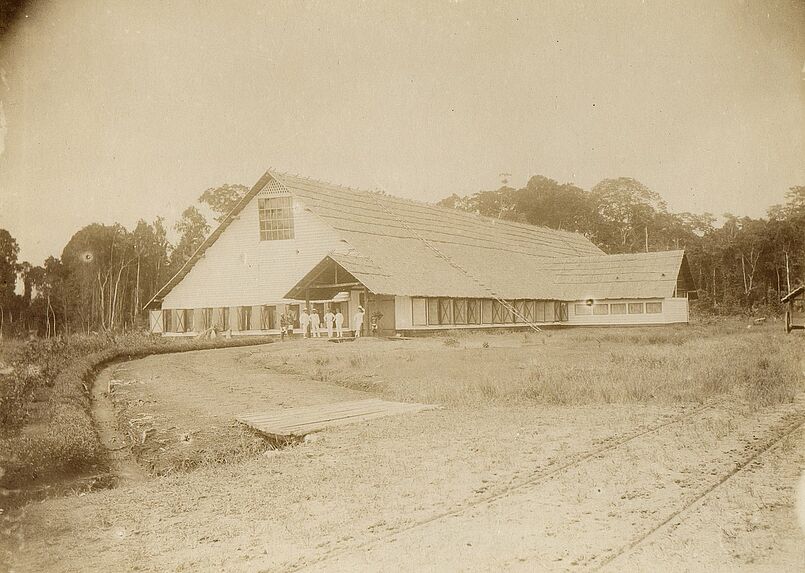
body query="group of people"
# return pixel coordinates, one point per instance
(311, 323)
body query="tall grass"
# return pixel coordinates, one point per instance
(684, 364)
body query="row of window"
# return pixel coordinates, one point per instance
(265, 317)
(188, 320)
(599, 309)
(458, 311)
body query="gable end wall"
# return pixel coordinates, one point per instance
(241, 270)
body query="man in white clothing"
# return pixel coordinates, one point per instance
(304, 320)
(329, 317)
(339, 324)
(357, 321)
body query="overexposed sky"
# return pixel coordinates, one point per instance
(118, 110)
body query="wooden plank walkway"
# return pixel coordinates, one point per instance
(297, 422)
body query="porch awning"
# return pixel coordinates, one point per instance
(324, 281)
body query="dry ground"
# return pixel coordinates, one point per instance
(622, 450)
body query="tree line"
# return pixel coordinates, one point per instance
(106, 273)
(741, 265)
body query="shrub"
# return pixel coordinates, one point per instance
(358, 360)
(45, 418)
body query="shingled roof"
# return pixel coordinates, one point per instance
(402, 247)
(634, 275)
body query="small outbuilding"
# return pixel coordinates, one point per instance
(795, 313)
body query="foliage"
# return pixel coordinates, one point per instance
(8, 265)
(193, 228)
(105, 275)
(223, 199)
(45, 421)
(743, 266)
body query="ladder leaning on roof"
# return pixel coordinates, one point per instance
(458, 267)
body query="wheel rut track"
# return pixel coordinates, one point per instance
(770, 444)
(536, 478)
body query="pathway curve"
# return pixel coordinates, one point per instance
(123, 465)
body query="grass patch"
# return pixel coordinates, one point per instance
(46, 427)
(675, 364)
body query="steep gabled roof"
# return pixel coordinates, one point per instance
(396, 246)
(392, 229)
(157, 299)
(632, 276)
(362, 213)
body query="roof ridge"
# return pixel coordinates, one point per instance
(417, 202)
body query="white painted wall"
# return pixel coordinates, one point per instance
(403, 312)
(241, 270)
(673, 310)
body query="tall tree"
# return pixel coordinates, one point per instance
(193, 228)
(548, 203)
(97, 262)
(223, 199)
(151, 249)
(9, 249)
(627, 209)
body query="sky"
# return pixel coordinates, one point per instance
(115, 111)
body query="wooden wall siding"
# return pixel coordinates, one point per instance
(234, 325)
(178, 321)
(199, 320)
(155, 321)
(674, 310)
(239, 269)
(386, 305)
(404, 312)
(352, 308)
(269, 317)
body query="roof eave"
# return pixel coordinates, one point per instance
(160, 295)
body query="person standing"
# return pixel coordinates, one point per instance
(357, 321)
(329, 317)
(283, 326)
(339, 324)
(315, 324)
(304, 321)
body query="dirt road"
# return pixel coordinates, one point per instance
(624, 508)
(609, 487)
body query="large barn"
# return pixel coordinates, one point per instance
(293, 242)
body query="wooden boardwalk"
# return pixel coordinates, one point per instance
(292, 423)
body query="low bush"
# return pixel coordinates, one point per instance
(46, 426)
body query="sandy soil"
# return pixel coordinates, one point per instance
(514, 487)
(180, 412)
